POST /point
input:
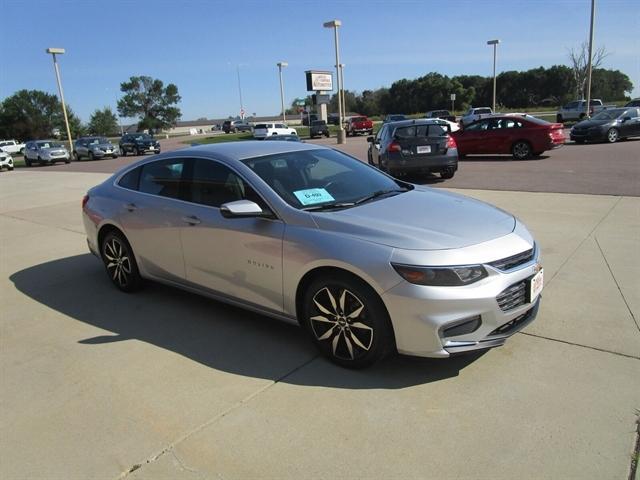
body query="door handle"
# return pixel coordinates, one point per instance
(131, 207)
(191, 220)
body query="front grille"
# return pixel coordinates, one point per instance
(513, 296)
(513, 324)
(513, 261)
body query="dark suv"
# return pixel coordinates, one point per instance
(235, 126)
(138, 144)
(318, 128)
(414, 146)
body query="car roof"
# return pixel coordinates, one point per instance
(237, 151)
(415, 121)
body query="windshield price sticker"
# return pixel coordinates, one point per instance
(311, 196)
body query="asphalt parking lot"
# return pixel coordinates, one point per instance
(599, 168)
(165, 384)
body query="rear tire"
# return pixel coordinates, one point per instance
(579, 141)
(76, 157)
(521, 150)
(91, 156)
(447, 173)
(120, 262)
(347, 321)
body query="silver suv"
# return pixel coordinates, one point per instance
(45, 152)
(94, 147)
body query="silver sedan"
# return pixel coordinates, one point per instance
(365, 263)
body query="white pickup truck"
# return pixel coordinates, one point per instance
(577, 110)
(11, 146)
(474, 114)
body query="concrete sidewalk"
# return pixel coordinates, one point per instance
(165, 384)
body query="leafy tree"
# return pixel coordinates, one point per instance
(103, 122)
(149, 100)
(32, 114)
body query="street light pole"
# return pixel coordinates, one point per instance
(589, 67)
(280, 66)
(335, 24)
(54, 52)
(344, 102)
(240, 92)
(495, 45)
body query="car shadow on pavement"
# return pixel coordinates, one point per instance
(214, 334)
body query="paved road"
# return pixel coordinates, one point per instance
(164, 384)
(600, 169)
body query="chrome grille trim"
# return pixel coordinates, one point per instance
(514, 261)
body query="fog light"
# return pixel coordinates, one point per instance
(468, 325)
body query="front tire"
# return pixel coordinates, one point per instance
(120, 262)
(347, 321)
(92, 157)
(613, 135)
(521, 150)
(123, 152)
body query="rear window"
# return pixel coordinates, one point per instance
(431, 130)
(359, 119)
(261, 125)
(483, 110)
(318, 123)
(537, 120)
(130, 179)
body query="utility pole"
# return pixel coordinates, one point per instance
(593, 13)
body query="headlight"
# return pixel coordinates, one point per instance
(441, 276)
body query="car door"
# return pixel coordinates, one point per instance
(151, 215)
(376, 146)
(238, 257)
(470, 139)
(630, 127)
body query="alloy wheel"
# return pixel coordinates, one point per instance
(117, 261)
(521, 150)
(340, 319)
(612, 135)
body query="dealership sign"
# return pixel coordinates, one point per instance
(319, 81)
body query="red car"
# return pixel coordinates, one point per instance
(359, 124)
(521, 136)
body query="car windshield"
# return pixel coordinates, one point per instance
(359, 119)
(97, 141)
(49, 145)
(322, 179)
(143, 136)
(609, 114)
(318, 123)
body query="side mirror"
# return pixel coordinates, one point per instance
(241, 208)
(370, 139)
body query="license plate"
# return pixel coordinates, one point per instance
(424, 149)
(108, 151)
(535, 285)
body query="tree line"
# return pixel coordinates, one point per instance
(33, 114)
(536, 87)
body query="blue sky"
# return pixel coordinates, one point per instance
(197, 44)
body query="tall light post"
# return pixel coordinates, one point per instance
(281, 65)
(344, 102)
(589, 67)
(335, 24)
(240, 93)
(54, 52)
(495, 48)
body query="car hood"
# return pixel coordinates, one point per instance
(593, 123)
(422, 219)
(53, 150)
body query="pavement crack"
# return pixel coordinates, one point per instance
(213, 420)
(603, 350)
(589, 235)
(617, 284)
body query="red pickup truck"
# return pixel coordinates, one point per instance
(360, 124)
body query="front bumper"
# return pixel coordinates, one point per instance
(148, 148)
(422, 315)
(585, 135)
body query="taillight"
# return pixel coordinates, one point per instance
(394, 147)
(451, 142)
(85, 199)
